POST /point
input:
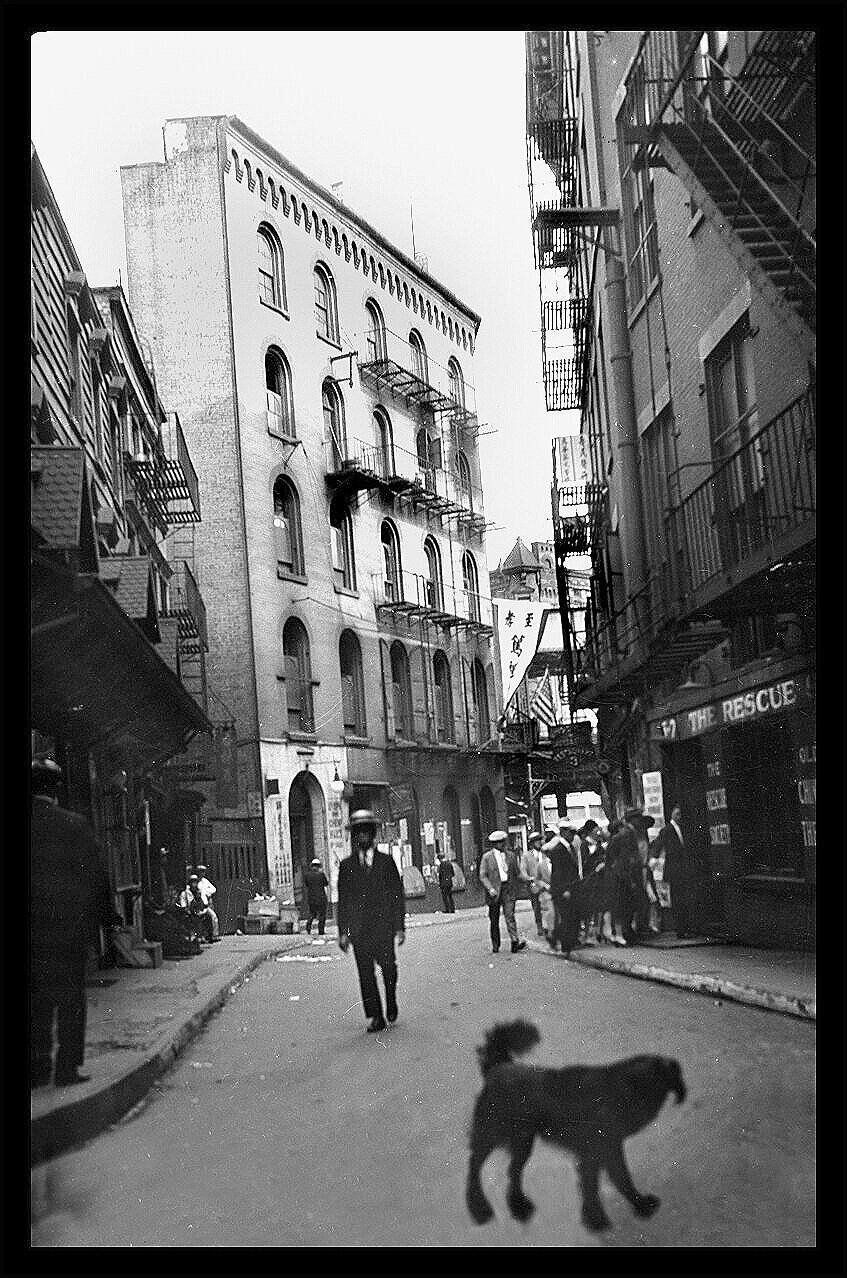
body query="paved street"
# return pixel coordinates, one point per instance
(285, 1124)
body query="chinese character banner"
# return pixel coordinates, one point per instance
(518, 632)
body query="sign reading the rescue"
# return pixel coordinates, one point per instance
(731, 710)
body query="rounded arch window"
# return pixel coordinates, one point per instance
(288, 536)
(392, 568)
(470, 584)
(444, 722)
(463, 472)
(433, 585)
(375, 334)
(271, 268)
(326, 303)
(280, 399)
(480, 700)
(352, 684)
(335, 434)
(417, 351)
(457, 383)
(341, 534)
(298, 676)
(385, 442)
(401, 691)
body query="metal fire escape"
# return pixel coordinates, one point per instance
(734, 140)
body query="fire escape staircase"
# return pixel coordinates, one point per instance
(725, 138)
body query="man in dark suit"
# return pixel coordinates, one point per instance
(371, 914)
(680, 871)
(316, 884)
(69, 900)
(499, 874)
(564, 886)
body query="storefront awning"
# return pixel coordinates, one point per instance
(96, 679)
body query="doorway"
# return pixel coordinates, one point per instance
(763, 800)
(307, 827)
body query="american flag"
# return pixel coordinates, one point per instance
(541, 706)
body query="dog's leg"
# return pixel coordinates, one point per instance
(478, 1205)
(642, 1204)
(593, 1214)
(520, 1206)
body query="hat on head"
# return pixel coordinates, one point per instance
(636, 817)
(362, 816)
(533, 835)
(200, 866)
(551, 830)
(46, 774)
(498, 836)
(316, 860)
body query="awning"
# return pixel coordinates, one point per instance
(96, 679)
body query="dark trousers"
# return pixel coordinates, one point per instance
(447, 898)
(567, 921)
(317, 910)
(368, 956)
(536, 909)
(506, 899)
(66, 998)
(682, 903)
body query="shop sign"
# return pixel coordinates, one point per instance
(654, 804)
(737, 709)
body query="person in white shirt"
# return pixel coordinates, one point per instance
(197, 903)
(499, 875)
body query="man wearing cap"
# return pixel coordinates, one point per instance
(529, 873)
(316, 884)
(208, 890)
(499, 874)
(69, 902)
(371, 914)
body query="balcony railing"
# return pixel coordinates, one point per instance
(361, 464)
(751, 502)
(186, 603)
(410, 374)
(177, 478)
(412, 594)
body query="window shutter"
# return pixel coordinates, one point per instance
(387, 690)
(336, 538)
(293, 684)
(467, 677)
(435, 452)
(282, 539)
(275, 416)
(420, 717)
(348, 703)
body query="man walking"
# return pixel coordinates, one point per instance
(680, 871)
(529, 873)
(446, 874)
(499, 875)
(371, 914)
(69, 903)
(316, 884)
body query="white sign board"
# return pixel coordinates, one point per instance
(518, 631)
(654, 804)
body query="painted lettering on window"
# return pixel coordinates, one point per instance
(719, 835)
(807, 789)
(808, 833)
(716, 799)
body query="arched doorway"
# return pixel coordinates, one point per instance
(454, 824)
(488, 810)
(307, 826)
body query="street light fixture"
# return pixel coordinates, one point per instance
(336, 784)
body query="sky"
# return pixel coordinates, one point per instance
(430, 121)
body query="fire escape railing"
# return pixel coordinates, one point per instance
(405, 474)
(412, 595)
(416, 377)
(186, 604)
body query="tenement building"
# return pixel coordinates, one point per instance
(326, 391)
(672, 184)
(117, 680)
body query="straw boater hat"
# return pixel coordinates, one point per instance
(362, 816)
(535, 835)
(316, 860)
(498, 836)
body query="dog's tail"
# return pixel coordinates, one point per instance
(508, 1039)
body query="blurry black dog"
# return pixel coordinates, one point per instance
(588, 1109)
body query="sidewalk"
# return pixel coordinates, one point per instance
(140, 1019)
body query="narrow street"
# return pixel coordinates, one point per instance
(284, 1124)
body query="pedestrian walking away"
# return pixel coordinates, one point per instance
(69, 902)
(446, 874)
(371, 915)
(680, 872)
(529, 873)
(316, 884)
(543, 875)
(499, 874)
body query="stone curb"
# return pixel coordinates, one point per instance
(83, 1117)
(699, 984)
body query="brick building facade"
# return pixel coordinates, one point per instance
(325, 385)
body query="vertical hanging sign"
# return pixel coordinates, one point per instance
(518, 632)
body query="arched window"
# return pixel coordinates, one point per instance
(326, 305)
(457, 383)
(335, 434)
(433, 583)
(288, 537)
(352, 685)
(271, 269)
(428, 448)
(401, 689)
(298, 677)
(489, 811)
(375, 334)
(392, 570)
(385, 442)
(417, 350)
(444, 722)
(463, 472)
(480, 701)
(470, 584)
(450, 806)
(280, 400)
(341, 536)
